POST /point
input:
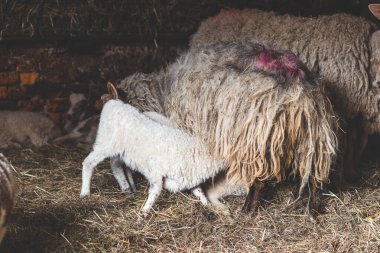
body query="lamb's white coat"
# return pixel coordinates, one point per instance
(210, 192)
(166, 156)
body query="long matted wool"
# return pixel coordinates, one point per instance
(259, 111)
(261, 125)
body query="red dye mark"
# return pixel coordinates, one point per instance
(282, 63)
(226, 12)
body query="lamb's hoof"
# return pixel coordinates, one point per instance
(141, 217)
(84, 194)
(127, 192)
(204, 202)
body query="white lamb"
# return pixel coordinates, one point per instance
(125, 178)
(209, 192)
(166, 156)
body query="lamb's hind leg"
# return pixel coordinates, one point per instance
(89, 164)
(154, 191)
(174, 186)
(118, 172)
(198, 192)
(216, 190)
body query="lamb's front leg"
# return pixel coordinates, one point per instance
(89, 164)
(154, 191)
(118, 172)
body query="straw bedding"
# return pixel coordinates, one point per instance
(49, 216)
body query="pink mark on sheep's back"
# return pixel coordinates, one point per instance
(283, 63)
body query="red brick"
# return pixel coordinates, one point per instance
(9, 78)
(29, 78)
(27, 65)
(3, 92)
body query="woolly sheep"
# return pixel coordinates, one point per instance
(7, 193)
(146, 91)
(342, 49)
(17, 127)
(249, 118)
(166, 156)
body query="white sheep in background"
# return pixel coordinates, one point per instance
(166, 156)
(17, 127)
(7, 193)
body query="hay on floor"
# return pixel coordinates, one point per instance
(50, 217)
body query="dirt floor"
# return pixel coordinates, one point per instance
(50, 217)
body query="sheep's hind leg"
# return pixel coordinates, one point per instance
(252, 199)
(118, 172)
(89, 164)
(154, 191)
(314, 199)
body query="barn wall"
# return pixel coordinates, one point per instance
(49, 49)
(41, 78)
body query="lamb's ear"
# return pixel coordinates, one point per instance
(375, 9)
(112, 90)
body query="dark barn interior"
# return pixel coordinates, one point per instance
(50, 49)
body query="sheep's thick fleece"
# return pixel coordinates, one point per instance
(259, 122)
(337, 47)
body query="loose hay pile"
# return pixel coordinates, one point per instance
(49, 216)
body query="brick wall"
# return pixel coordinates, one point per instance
(41, 78)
